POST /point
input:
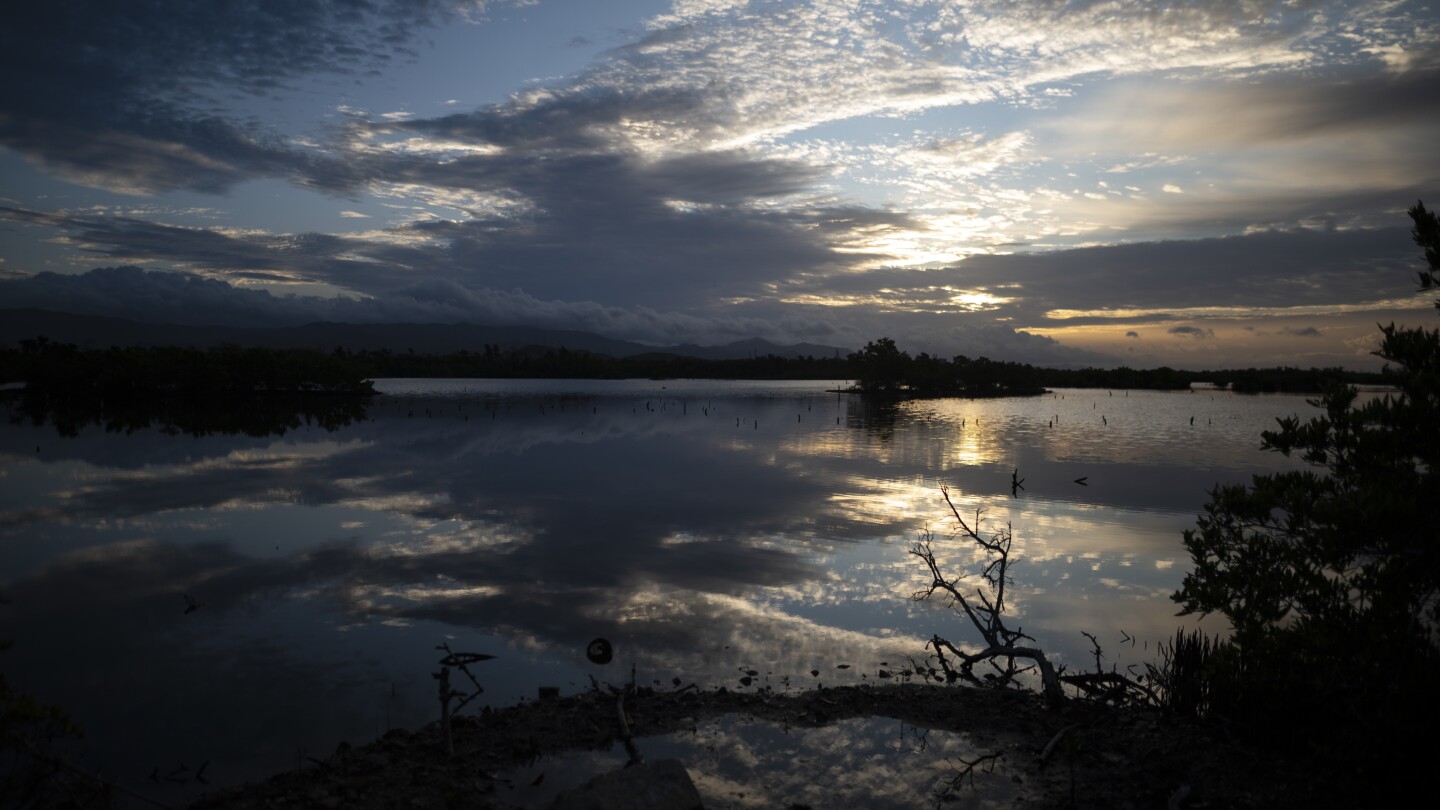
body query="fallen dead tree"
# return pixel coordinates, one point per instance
(983, 605)
(985, 612)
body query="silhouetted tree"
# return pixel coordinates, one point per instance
(880, 367)
(1330, 577)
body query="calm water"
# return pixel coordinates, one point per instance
(703, 527)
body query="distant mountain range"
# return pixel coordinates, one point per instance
(96, 332)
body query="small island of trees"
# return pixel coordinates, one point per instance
(882, 369)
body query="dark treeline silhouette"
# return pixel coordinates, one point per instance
(1246, 381)
(1163, 378)
(183, 372)
(881, 369)
(562, 363)
(259, 392)
(1293, 380)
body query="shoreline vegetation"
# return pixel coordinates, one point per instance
(65, 372)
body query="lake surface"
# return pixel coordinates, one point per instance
(705, 528)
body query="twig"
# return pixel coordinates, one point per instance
(968, 772)
(443, 676)
(460, 661)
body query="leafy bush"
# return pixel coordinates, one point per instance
(1330, 576)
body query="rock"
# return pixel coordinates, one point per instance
(662, 785)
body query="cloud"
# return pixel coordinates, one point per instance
(134, 97)
(185, 298)
(1175, 115)
(710, 78)
(1085, 299)
(484, 273)
(182, 298)
(1196, 332)
(1336, 143)
(1132, 334)
(608, 228)
(1308, 331)
(822, 61)
(1266, 270)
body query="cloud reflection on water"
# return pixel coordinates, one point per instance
(701, 536)
(738, 762)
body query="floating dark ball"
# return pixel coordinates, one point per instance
(599, 651)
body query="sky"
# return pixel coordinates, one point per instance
(1205, 184)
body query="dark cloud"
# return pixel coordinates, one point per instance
(973, 335)
(1132, 334)
(604, 226)
(583, 119)
(138, 239)
(1283, 107)
(1266, 269)
(1196, 332)
(729, 177)
(1298, 130)
(606, 236)
(150, 96)
(598, 216)
(1301, 106)
(184, 298)
(600, 226)
(1308, 331)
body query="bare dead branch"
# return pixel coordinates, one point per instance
(1112, 686)
(983, 613)
(460, 661)
(963, 774)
